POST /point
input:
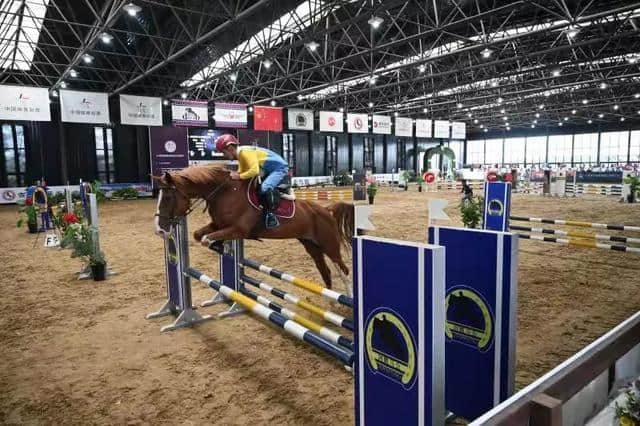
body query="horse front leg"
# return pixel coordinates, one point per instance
(207, 229)
(227, 233)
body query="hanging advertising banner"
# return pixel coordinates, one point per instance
(189, 113)
(423, 128)
(300, 119)
(140, 110)
(169, 149)
(24, 103)
(202, 146)
(331, 121)
(381, 124)
(458, 130)
(441, 129)
(357, 123)
(404, 126)
(231, 115)
(267, 118)
(84, 107)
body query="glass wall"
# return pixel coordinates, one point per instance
(573, 150)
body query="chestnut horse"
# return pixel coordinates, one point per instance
(321, 230)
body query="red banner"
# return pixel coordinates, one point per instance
(267, 118)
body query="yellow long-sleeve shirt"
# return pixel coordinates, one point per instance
(250, 161)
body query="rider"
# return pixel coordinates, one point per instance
(254, 161)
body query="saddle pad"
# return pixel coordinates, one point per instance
(286, 208)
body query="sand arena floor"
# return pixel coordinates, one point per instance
(81, 352)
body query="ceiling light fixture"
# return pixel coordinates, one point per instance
(370, 104)
(621, 118)
(486, 130)
(494, 83)
(73, 73)
(422, 68)
(132, 9)
(502, 111)
(616, 107)
(250, 108)
(273, 102)
(63, 85)
(54, 93)
(486, 52)
(183, 95)
(637, 95)
(475, 121)
(424, 110)
(106, 38)
(165, 102)
(566, 119)
(603, 85)
(395, 114)
(533, 126)
(508, 128)
(267, 63)
(572, 31)
(585, 101)
(573, 111)
(590, 121)
(459, 105)
(87, 58)
(600, 115)
(556, 72)
(541, 106)
(537, 115)
(560, 124)
(312, 46)
(500, 100)
(233, 76)
(375, 22)
(341, 109)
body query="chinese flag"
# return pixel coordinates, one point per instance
(267, 118)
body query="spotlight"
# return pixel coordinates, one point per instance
(632, 59)
(616, 107)
(560, 124)
(494, 83)
(585, 101)
(341, 109)
(537, 115)
(566, 119)
(251, 109)
(600, 115)
(132, 9)
(106, 38)
(87, 58)
(621, 118)
(547, 94)
(482, 126)
(273, 102)
(486, 53)
(637, 95)
(375, 22)
(486, 130)
(54, 93)
(312, 46)
(395, 114)
(541, 106)
(424, 110)
(183, 95)
(505, 118)
(535, 121)
(372, 80)
(556, 72)
(459, 105)
(73, 73)
(469, 114)
(267, 63)
(533, 126)
(508, 128)
(476, 120)
(500, 100)
(165, 102)
(590, 121)
(233, 76)
(370, 104)
(573, 111)
(572, 31)
(63, 85)
(603, 85)
(502, 111)
(422, 68)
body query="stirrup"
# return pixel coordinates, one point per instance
(271, 221)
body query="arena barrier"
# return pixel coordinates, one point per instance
(397, 338)
(497, 208)
(333, 194)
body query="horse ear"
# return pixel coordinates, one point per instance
(167, 178)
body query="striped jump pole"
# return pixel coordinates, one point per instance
(299, 282)
(293, 328)
(577, 223)
(319, 329)
(328, 316)
(576, 234)
(580, 243)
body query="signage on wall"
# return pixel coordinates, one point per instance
(189, 113)
(24, 103)
(169, 150)
(267, 118)
(300, 119)
(404, 126)
(331, 121)
(202, 145)
(441, 129)
(357, 123)
(381, 124)
(84, 107)
(140, 110)
(423, 128)
(231, 115)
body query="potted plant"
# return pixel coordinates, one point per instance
(634, 186)
(98, 265)
(31, 216)
(406, 176)
(372, 189)
(472, 211)
(420, 181)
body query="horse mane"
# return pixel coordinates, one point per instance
(199, 180)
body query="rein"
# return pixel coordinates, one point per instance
(174, 219)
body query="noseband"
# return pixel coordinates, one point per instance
(173, 220)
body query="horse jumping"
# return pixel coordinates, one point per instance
(321, 230)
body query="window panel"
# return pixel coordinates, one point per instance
(514, 150)
(493, 149)
(560, 148)
(536, 150)
(102, 177)
(458, 149)
(614, 146)
(110, 161)
(99, 136)
(109, 139)
(475, 152)
(7, 136)
(368, 153)
(585, 148)
(635, 146)
(100, 160)
(10, 160)
(12, 180)
(22, 161)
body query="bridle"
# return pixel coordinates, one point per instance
(173, 220)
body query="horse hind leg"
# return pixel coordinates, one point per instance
(317, 255)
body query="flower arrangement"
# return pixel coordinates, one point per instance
(628, 414)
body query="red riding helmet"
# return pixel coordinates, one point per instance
(224, 141)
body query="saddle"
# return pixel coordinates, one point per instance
(287, 207)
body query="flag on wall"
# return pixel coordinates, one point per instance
(231, 115)
(404, 126)
(331, 121)
(441, 129)
(189, 113)
(382, 124)
(357, 123)
(84, 107)
(24, 103)
(300, 119)
(458, 130)
(267, 118)
(423, 128)
(140, 110)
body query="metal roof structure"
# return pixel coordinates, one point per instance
(499, 64)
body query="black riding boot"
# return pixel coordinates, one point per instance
(271, 199)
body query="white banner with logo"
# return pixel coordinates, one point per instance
(24, 103)
(231, 115)
(185, 113)
(381, 124)
(84, 107)
(423, 128)
(140, 110)
(458, 130)
(331, 121)
(357, 123)
(404, 126)
(300, 119)
(441, 129)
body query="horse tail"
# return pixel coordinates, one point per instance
(344, 214)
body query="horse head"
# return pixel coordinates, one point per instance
(173, 202)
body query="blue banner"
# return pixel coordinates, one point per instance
(599, 177)
(497, 205)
